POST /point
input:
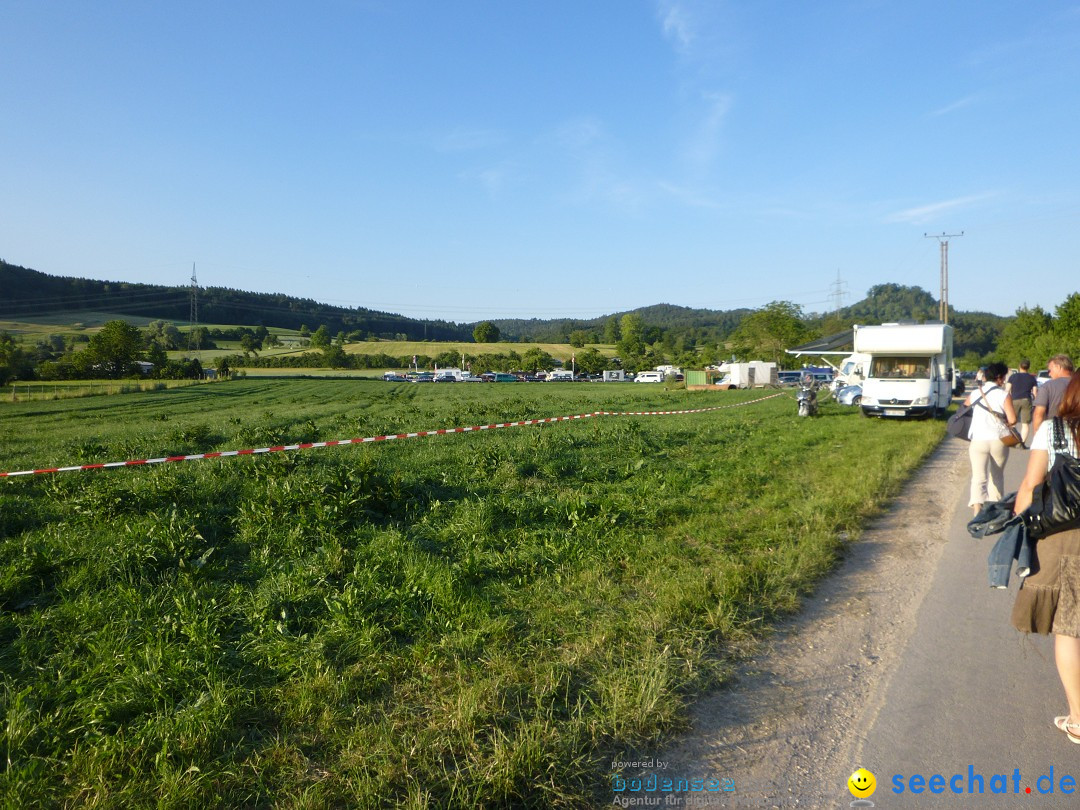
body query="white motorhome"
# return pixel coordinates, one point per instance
(852, 370)
(910, 371)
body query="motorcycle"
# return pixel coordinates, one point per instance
(807, 398)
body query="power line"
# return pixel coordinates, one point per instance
(943, 304)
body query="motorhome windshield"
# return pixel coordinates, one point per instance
(901, 368)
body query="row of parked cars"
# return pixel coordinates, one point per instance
(517, 376)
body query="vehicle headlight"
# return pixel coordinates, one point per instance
(921, 401)
(869, 401)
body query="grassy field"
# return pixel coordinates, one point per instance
(38, 391)
(484, 619)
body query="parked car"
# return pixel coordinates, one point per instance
(788, 377)
(649, 377)
(444, 378)
(849, 395)
(470, 378)
(424, 376)
(394, 378)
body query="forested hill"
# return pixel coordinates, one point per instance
(976, 332)
(702, 323)
(25, 292)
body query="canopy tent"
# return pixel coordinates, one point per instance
(840, 343)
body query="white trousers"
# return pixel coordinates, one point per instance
(988, 457)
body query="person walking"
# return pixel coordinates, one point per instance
(1019, 388)
(987, 453)
(1048, 397)
(1049, 599)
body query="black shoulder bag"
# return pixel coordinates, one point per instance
(1055, 503)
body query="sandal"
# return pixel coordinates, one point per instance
(1072, 730)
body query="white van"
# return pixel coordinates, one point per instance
(649, 376)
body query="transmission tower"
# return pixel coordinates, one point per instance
(837, 293)
(194, 336)
(943, 304)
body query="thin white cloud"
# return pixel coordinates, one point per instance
(926, 213)
(677, 25)
(579, 133)
(492, 179)
(959, 104)
(704, 142)
(688, 196)
(467, 140)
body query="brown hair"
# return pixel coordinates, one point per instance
(1069, 409)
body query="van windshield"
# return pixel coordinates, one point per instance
(901, 368)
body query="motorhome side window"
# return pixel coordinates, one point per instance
(906, 368)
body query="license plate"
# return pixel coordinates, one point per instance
(895, 412)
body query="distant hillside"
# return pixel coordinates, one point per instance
(976, 332)
(28, 292)
(25, 293)
(702, 323)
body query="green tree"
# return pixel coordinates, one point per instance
(1067, 327)
(320, 338)
(112, 352)
(632, 340)
(163, 334)
(1030, 334)
(578, 338)
(486, 332)
(767, 333)
(250, 345)
(591, 361)
(535, 359)
(611, 330)
(14, 364)
(335, 357)
(221, 365)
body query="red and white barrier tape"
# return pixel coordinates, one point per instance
(389, 437)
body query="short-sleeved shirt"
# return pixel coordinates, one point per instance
(1044, 440)
(985, 426)
(1050, 395)
(1021, 384)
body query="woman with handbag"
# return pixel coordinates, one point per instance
(1049, 599)
(991, 417)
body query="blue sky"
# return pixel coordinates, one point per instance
(467, 160)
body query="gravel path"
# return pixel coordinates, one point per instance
(789, 729)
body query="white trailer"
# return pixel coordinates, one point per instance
(753, 374)
(910, 371)
(616, 375)
(560, 375)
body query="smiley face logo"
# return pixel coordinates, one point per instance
(862, 784)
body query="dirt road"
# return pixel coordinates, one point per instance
(903, 663)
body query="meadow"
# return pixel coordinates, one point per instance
(486, 619)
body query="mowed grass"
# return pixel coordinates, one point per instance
(485, 619)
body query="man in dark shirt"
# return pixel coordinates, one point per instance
(1019, 387)
(1050, 392)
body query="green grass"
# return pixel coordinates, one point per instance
(469, 620)
(37, 391)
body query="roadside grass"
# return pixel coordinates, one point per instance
(469, 620)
